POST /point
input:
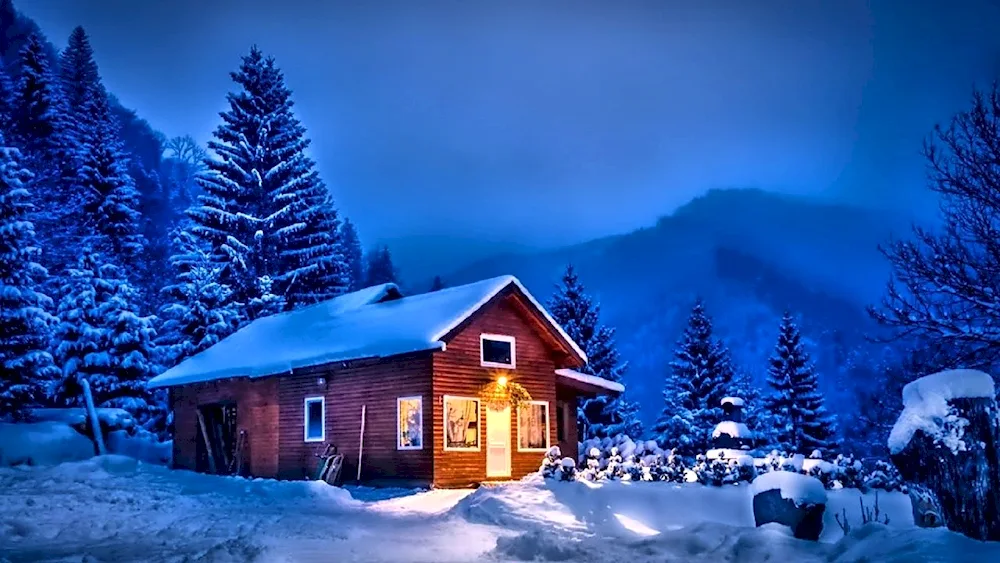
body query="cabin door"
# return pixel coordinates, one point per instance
(498, 443)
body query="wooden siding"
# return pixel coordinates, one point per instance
(376, 384)
(457, 371)
(256, 412)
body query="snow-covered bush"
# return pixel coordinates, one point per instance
(621, 458)
(567, 469)
(551, 462)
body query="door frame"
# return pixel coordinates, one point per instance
(498, 416)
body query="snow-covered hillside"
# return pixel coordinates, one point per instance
(113, 508)
(750, 254)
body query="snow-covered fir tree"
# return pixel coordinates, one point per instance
(111, 200)
(100, 337)
(801, 421)
(80, 83)
(6, 102)
(199, 310)
(353, 255)
(700, 376)
(437, 284)
(37, 128)
(26, 367)
(379, 268)
(579, 316)
(265, 215)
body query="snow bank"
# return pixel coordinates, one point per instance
(142, 446)
(926, 408)
(42, 443)
(109, 417)
(802, 489)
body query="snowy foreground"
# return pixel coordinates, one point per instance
(114, 508)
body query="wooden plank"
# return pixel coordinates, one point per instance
(208, 443)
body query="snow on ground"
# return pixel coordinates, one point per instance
(113, 508)
(42, 443)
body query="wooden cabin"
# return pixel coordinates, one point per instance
(425, 389)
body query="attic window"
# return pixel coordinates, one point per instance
(497, 351)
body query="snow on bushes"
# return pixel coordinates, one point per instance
(621, 458)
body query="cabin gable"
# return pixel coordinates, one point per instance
(458, 372)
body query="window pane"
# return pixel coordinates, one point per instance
(532, 426)
(496, 351)
(411, 429)
(462, 418)
(314, 420)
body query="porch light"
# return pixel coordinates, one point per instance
(502, 381)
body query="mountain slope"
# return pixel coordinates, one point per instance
(751, 254)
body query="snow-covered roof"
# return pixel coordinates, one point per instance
(926, 408)
(591, 380)
(362, 324)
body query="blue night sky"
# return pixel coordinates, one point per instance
(569, 120)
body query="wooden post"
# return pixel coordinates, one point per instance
(95, 423)
(208, 443)
(361, 441)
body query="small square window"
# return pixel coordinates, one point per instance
(314, 422)
(497, 351)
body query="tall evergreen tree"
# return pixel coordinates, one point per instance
(579, 316)
(701, 375)
(437, 284)
(101, 338)
(80, 84)
(6, 103)
(199, 310)
(353, 255)
(265, 215)
(379, 268)
(802, 423)
(37, 128)
(25, 364)
(112, 202)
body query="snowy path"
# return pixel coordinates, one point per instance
(111, 509)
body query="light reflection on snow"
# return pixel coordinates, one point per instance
(633, 525)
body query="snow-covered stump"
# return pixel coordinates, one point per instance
(946, 443)
(791, 499)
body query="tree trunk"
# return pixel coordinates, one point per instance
(966, 483)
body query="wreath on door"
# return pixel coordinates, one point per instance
(501, 392)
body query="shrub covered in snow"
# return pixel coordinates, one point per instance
(621, 458)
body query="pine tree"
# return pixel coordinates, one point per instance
(25, 364)
(802, 423)
(266, 216)
(80, 84)
(353, 255)
(701, 375)
(437, 284)
(112, 202)
(101, 338)
(379, 268)
(6, 102)
(199, 310)
(37, 128)
(574, 310)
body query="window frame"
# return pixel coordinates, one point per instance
(498, 338)
(479, 423)
(321, 399)
(399, 412)
(548, 426)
